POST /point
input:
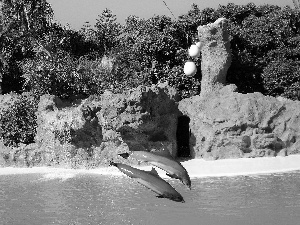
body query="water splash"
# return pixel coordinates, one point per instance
(62, 176)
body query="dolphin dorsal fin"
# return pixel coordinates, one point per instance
(154, 172)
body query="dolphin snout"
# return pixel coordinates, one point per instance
(187, 182)
(178, 199)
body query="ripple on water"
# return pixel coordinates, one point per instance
(62, 198)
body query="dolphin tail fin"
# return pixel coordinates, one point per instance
(124, 155)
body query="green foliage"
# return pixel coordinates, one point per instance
(24, 18)
(21, 22)
(18, 121)
(189, 22)
(107, 30)
(152, 51)
(65, 76)
(282, 77)
(186, 86)
(49, 75)
(68, 63)
(148, 41)
(142, 45)
(261, 35)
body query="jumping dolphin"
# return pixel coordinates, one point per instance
(151, 180)
(164, 161)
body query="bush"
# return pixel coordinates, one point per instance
(187, 86)
(50, 75)
(18, 121)
(281, 78)
(65, 76)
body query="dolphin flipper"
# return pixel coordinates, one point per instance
(154, 172)
(161, 196)
(172, 176)
(124, 155)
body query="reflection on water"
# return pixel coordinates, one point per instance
(98, 199)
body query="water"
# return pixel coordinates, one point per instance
(73, 199)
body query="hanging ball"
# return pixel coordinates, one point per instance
(194, 51)
(199, 45)
(190, 68)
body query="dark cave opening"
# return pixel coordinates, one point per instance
(183, 137)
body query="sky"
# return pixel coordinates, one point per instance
(74, 13)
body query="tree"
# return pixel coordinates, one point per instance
(22, 22)
(107, 29)
(149, 41)
(189, 22)
(27, 15)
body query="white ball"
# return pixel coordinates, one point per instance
(194, 51)
(199, 45)
(190, 68)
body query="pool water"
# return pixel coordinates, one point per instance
(75, 199)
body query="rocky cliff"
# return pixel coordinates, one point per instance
(92, 132)
(227, 124)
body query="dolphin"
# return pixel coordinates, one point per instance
(151, 180)
(164, 161)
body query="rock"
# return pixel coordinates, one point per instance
(139, 119)
(227, 124)
(95, 130)
(64, 129)
(282, 152)
(25, 156)
(216, 55)
(91, 132)
(4, 154)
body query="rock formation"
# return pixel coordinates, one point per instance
(139, 119)
(92, 132)
(216, 55)
(227, 124)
